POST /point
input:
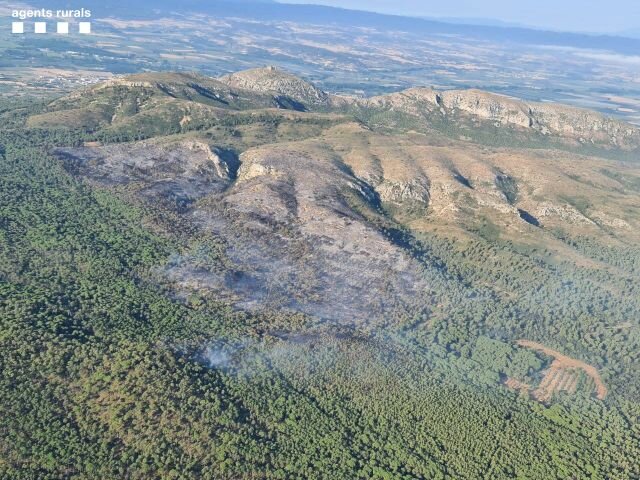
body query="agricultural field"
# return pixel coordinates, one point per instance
(562, 375)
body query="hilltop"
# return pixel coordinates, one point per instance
(186, 100)
(273, 80)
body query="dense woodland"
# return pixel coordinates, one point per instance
(106, 373)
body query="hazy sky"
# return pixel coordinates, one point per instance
(576, 15)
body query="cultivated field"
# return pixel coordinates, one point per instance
(562, 375)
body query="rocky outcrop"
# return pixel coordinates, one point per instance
(584, 125)
(400, 192)
(575, 124)
(252, 168)
(488, 106)
(414, 100)
(564, 212)
(549, 119)
(223, 168)
(274, 81)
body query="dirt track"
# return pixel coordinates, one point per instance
(559, 376)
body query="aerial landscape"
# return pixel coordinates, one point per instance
(275, 241)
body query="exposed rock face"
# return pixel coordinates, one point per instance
(577, 125)
(554, 119)
(488, 106)
(583, 124)
(125, 82)
(549, 119)
(401, 192)
(563, 212)
(225, 169)
(251, 170)
(413, 100)
(393, 175)
(274, 81)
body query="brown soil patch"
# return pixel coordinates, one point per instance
(514, 384)
(562, 375)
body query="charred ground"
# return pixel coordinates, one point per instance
(284, 261)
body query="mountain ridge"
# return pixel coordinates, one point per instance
(270, 87)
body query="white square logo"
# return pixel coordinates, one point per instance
(17, 27)
(63, 27)
(40, 27)
(84, 27)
